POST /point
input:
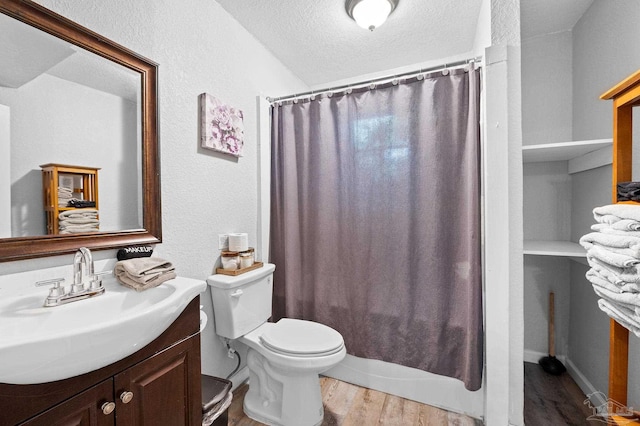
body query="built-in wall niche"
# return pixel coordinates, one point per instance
(547, 183)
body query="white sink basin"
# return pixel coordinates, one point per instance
(39, 345)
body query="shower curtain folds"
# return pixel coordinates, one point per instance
(375, 220)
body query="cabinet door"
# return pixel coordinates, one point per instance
(84, 409)
(162, 390)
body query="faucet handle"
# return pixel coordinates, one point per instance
(96, 280)
(57, 290)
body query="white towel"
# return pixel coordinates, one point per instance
(599, 280)
(618, 276)
(605, 228)
(623, 315)
(78, 221)
(610, 292)
(76, 213)
(611, 212)
(615, 259)
(78, 230)
(622, 244)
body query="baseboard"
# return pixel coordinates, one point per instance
(596, 397)
(534, 356)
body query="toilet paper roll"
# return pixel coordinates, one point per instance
(203, 320)
(239, 242)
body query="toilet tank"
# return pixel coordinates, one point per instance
(241, 303)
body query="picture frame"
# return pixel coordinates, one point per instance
(222, 126)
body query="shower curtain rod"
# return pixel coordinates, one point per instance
(313, 93)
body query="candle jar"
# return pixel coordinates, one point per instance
(230, 260)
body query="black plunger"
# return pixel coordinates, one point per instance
(551, 364)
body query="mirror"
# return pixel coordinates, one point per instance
(69, 96)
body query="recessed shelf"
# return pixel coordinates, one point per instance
(562, 151)
(554, 248)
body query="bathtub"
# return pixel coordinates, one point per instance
(410, 383)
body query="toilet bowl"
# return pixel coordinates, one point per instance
(284, 358)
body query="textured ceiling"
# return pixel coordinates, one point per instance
(321, 44)
(318, 41)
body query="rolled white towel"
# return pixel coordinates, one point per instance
(609, 213)
(623, 315)
(615, 259)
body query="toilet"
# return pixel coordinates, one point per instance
(284, 358)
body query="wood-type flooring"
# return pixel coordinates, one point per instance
(350, 405)
(549, 401)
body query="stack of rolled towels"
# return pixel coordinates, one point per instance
(78, 221)
(142, 273)
(613, 252)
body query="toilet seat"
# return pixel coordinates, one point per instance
(301, 338)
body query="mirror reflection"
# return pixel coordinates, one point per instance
(63, 105)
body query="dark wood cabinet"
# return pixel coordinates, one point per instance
(158, 385)
(161, 389)
(84, 409)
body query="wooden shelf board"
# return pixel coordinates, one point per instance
(562, 151)
(554, 248)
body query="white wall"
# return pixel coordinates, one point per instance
(547, 89)
(41, 113)
(200, 48)
(546, 118)
(5, 170)
(605, 51)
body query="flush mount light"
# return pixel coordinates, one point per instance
(370, 14)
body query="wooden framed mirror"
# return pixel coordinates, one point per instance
(147, 229)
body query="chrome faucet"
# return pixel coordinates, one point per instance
(82, 258)
(82, 262)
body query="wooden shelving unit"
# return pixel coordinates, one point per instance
(625, 96)
(84, 182)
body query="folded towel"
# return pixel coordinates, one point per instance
(608, 213)
(79, 221)
(78, 213)
(615, 228)
(142, 273)
(610, 292)
(616, 275)
(78, 229)
(623, 315)
(599, 280)
(622, 244)
(615, 259)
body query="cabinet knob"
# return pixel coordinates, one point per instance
(108, 407)
(126, 397)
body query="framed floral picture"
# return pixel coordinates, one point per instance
(222, 127)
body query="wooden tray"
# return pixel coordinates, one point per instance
(235, 272)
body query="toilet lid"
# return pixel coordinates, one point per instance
(302, 338)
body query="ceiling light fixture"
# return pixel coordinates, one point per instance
(370, 14)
